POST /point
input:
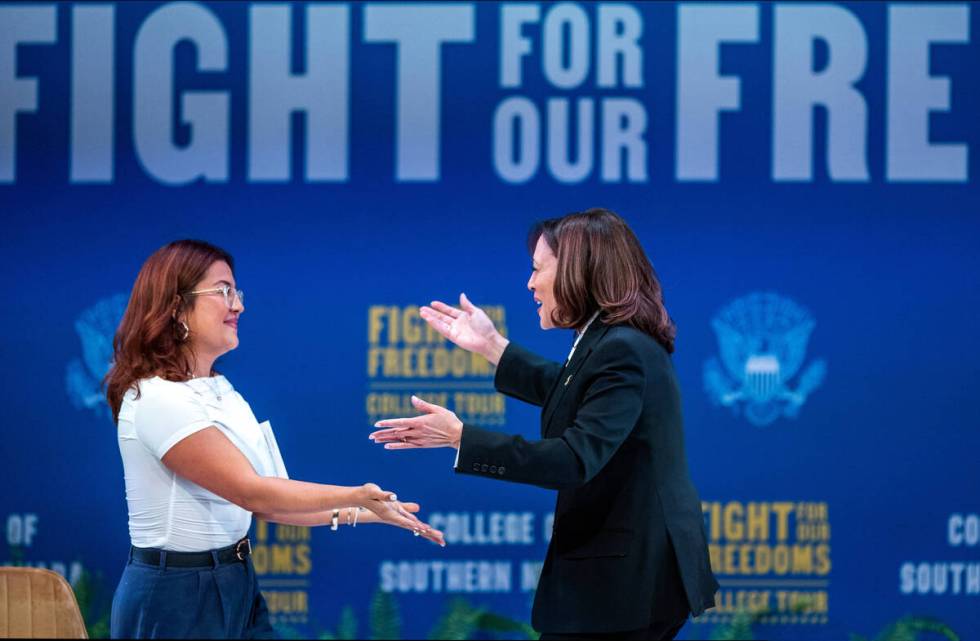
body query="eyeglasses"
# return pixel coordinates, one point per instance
(229, 293)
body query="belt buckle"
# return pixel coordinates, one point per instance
(242, 549)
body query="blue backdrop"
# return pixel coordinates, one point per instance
(800, 175)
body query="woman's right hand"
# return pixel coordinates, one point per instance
(388, 509)
(467, 326)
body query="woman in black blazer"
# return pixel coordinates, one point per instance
(628, 556)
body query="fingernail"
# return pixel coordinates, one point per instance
(415, 532)
(394, 497)
(415, 398)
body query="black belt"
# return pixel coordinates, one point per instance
(235, 553)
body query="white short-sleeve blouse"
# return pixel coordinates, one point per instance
(165, 510)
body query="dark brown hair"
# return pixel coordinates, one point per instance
(148, 341)
(602, 267)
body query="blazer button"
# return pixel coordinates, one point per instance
(493, 469)
(484, 467)
(476, 467)
(501, 470)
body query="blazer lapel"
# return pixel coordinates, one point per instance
(592, 335)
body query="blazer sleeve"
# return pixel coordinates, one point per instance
(607, 414)
(525, 375)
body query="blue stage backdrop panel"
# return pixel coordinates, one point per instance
(802, 176)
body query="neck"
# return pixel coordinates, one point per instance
(201, 365)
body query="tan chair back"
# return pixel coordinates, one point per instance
(37, 603)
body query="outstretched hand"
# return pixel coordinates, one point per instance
(388, 509)
(467, 326)
(436, 427)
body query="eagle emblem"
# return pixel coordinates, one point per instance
(95, 327)
(762, 338)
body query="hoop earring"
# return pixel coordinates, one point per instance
(186, 331)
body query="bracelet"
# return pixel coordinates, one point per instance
(357, 513)
(333, 519)
(348, 515)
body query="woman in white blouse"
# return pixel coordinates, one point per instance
(198, 464)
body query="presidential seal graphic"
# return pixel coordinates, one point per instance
(83, 377)
(762, 338)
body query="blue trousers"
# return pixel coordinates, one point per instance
(154, 602)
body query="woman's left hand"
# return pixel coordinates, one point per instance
(437, 427)
(431, 534)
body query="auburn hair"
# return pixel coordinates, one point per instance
(149, 341)
(602, 267)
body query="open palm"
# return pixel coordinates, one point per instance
(467, 326)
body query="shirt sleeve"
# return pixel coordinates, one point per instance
(167, 413)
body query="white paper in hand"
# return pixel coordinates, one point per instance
(279, 467)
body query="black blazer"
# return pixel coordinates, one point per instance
(628, 545)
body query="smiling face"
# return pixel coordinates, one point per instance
(544, 265)
(213, 326)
